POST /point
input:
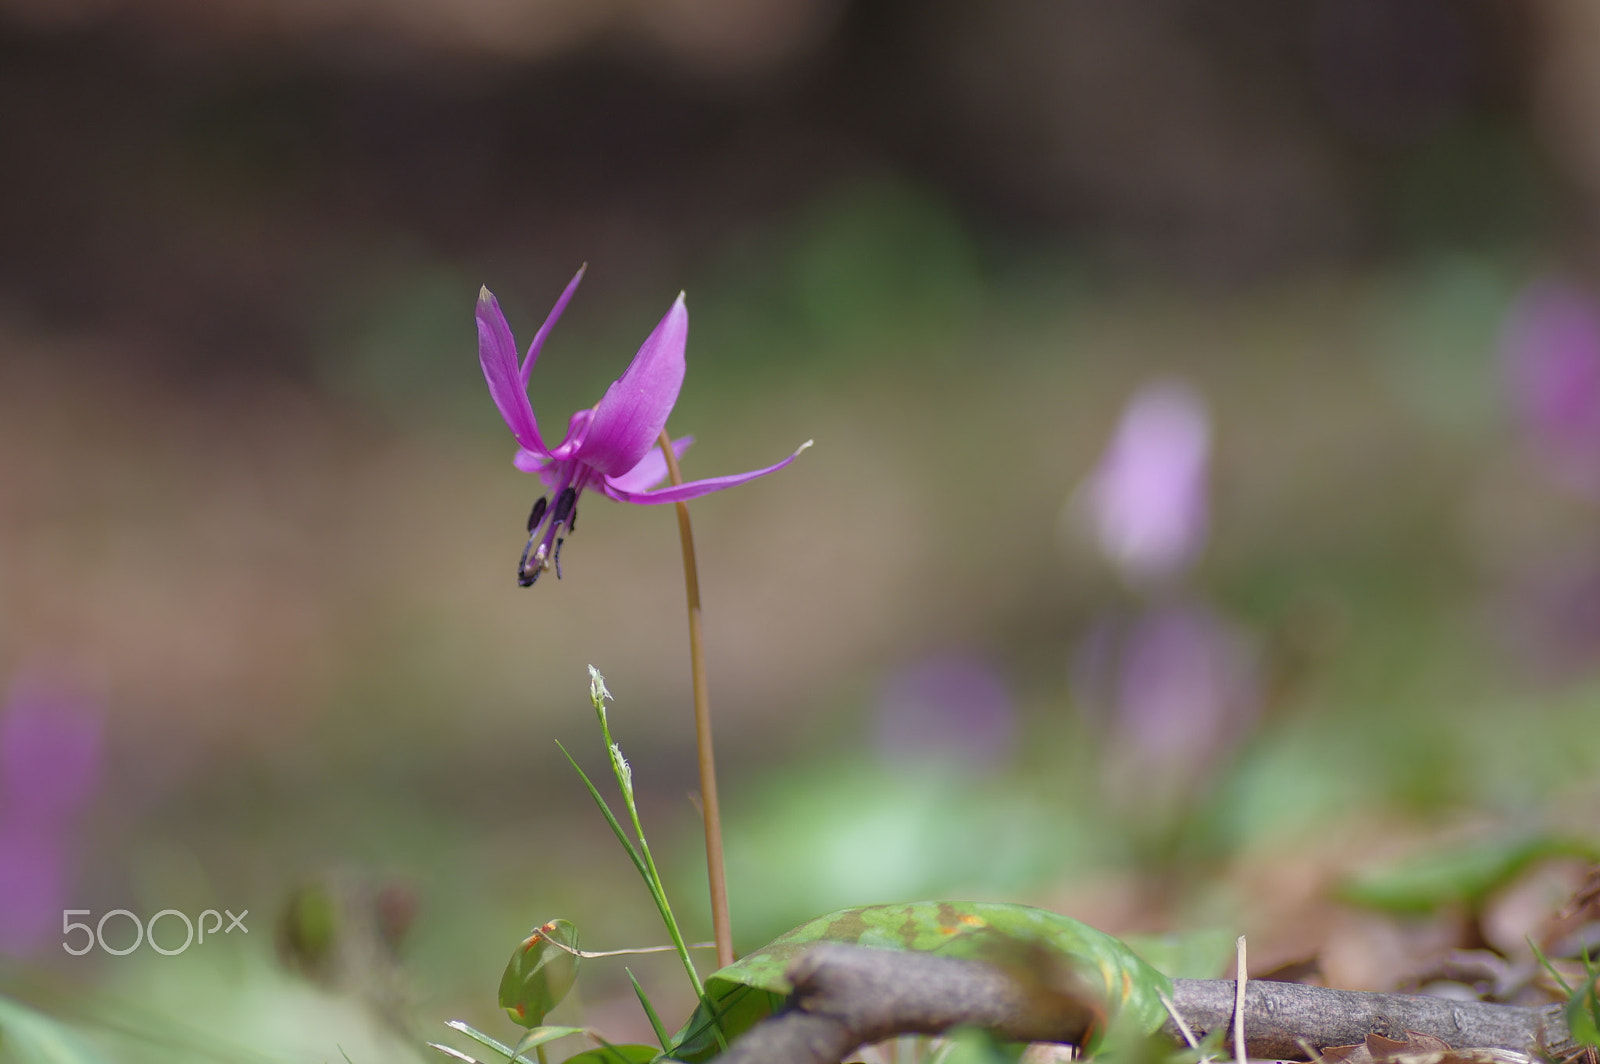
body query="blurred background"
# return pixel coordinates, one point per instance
(1206, 399)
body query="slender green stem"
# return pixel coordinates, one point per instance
(638, 853)
(642, 859)
(646, 872)
(721, 927)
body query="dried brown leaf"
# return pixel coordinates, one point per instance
(1417, 1048)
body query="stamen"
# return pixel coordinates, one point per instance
(572, 518)
(536, 560)
(566, 502)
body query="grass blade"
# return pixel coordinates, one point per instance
(649, 1011)
(605, 811)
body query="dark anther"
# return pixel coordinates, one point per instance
(566, 502)
(559, 541)
(537, 515)
(572, 518)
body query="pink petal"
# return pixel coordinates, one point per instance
(577, 433)
(632, 413)
(695, 488)
(555, 473)
(651, 470)
(497, 353)
(549, 323)
(530, 461)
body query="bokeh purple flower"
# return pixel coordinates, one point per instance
(951, 710)
(610, 447)
(1146, 500)
(1551, 351)
(1171, 689)
(50, 765)
(1174, 693)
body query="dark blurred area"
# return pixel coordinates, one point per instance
(209, 181)
(1206, 397)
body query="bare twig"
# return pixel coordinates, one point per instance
(846, 996)
(1282, 1015)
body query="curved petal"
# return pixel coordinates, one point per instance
(577, 432)
(632, 413)
(554, 473)
(549, 323)
(694, 488)
(497, 353)
(530, 461)
(651, 470)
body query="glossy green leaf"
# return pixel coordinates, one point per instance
(752, 988)
(610, 1054)
(741, 1007)
(540, 973)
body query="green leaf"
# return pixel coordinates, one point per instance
(610, 1054)
(1465, 873)
(605, 811)
(740, 1008)
(1583, 1015)
(752, 988)
(972, 1045)
(540, 973)
(488, 1041)
(1203, 954)
(538, 1036)
(29, 1037)
(650, 1012)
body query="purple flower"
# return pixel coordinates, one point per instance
(51, 755)
(50, 750)
(1146, 501)
(34, 869)
(1551, 347)
(1174, 692)
(610, 447)
(951, 710)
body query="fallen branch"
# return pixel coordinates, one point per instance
(1278, 1017)
(847, 996)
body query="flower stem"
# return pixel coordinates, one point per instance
(720, 926)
